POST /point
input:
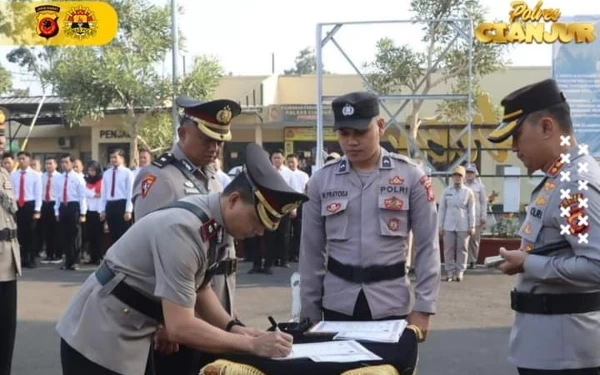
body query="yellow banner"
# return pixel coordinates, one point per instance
(308, 134)
(59, 23)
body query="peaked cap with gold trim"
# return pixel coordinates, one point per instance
(522, 102)
(213, 118)
(273, 197)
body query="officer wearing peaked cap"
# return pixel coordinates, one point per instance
(160, 278)
(353, 268)
(189, 169)
(557, 295)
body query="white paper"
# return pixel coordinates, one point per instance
(332, 351)
(374, 331)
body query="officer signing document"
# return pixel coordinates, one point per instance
(156, 279)
(557, 296)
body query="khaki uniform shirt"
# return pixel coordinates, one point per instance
(164, 257)
(558, 209)
(481, 201)
(155, 187)
(457, 209)
(367, 223)
(10, 256)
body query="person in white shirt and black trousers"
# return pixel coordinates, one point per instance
(117, 188)
(70, 211)
(28, 191)
(93, 225)
(47, 234)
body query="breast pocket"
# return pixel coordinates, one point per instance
(393, 216)
(530, 230)
(336, 219)
(124, 315)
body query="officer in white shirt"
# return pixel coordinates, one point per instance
(117, 187)
(298, 182)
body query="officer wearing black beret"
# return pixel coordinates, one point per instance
(189, 169)
(557, 294)
(158, 275)
(356, 225)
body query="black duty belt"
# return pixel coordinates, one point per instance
(227, 267)
(554, 304)
(371, 274)
(130, 296)
(7, 234)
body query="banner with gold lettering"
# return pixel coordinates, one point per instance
(576, 68)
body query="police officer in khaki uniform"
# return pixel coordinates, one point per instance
(187, 170)
(355, 227)
(457, 223)
(10, 265)
(557, 296)
(158, 274)
(473, 183)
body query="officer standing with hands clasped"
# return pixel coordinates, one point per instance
(355, 227)
(158, 274)
(187, 170)
(557, 296)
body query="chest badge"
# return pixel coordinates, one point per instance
(334, 207)
(393, 203)
(396, 180)
(540, 201)
(527, 229)
(394, 225)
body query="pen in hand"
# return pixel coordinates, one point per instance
(273, 323)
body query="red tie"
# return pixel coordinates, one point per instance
(65, 201)
(112, 187)
(22, 189)
(48, 188)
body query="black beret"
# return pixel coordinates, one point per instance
(274, 198)
(355, 110)
(213, 118)
(522, 102)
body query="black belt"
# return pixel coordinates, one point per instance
(8, 234)
(227, 267)
(129, 295)
(371, 274)
(554, 304)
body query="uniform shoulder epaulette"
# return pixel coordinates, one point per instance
(332, 162)
(403, 158)
(163, 160)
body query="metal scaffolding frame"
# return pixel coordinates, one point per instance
(463, 28)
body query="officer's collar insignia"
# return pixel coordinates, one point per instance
(386, 162)
(348, 110)
(224, 116)
(396, 180)
(393, 203)
(343, 166)
(556, 167)
(209, 230)
(187, 165)
(334, 207)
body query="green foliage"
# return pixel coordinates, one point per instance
(305, 63)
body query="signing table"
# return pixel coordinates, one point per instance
(398, 358)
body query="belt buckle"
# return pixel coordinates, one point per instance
(359, 274)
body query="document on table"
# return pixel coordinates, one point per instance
(332, 351)
(387, 331)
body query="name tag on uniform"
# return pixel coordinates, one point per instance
(191, 191)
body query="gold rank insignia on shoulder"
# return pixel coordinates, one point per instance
(224, 115)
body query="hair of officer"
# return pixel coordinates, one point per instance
(67, 156)
(560, 112)
(118, 152)
(241, 185)
(24, 153)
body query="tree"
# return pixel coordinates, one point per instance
(400, 67)
(121, 74)
(5, 80)
(305, 63)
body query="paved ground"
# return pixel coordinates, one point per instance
(469, 335)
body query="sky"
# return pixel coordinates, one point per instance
(244, 34)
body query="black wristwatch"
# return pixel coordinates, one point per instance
(232, 323)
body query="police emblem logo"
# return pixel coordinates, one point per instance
(333, 207)
(348, 110)
(47, 20)
(393, 203)
(224, 116)
(147, 183)
(394, 225)
(576, 219)
(81, 23)
(396, 180)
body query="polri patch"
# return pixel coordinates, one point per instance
(147, 183)
(333, 207)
